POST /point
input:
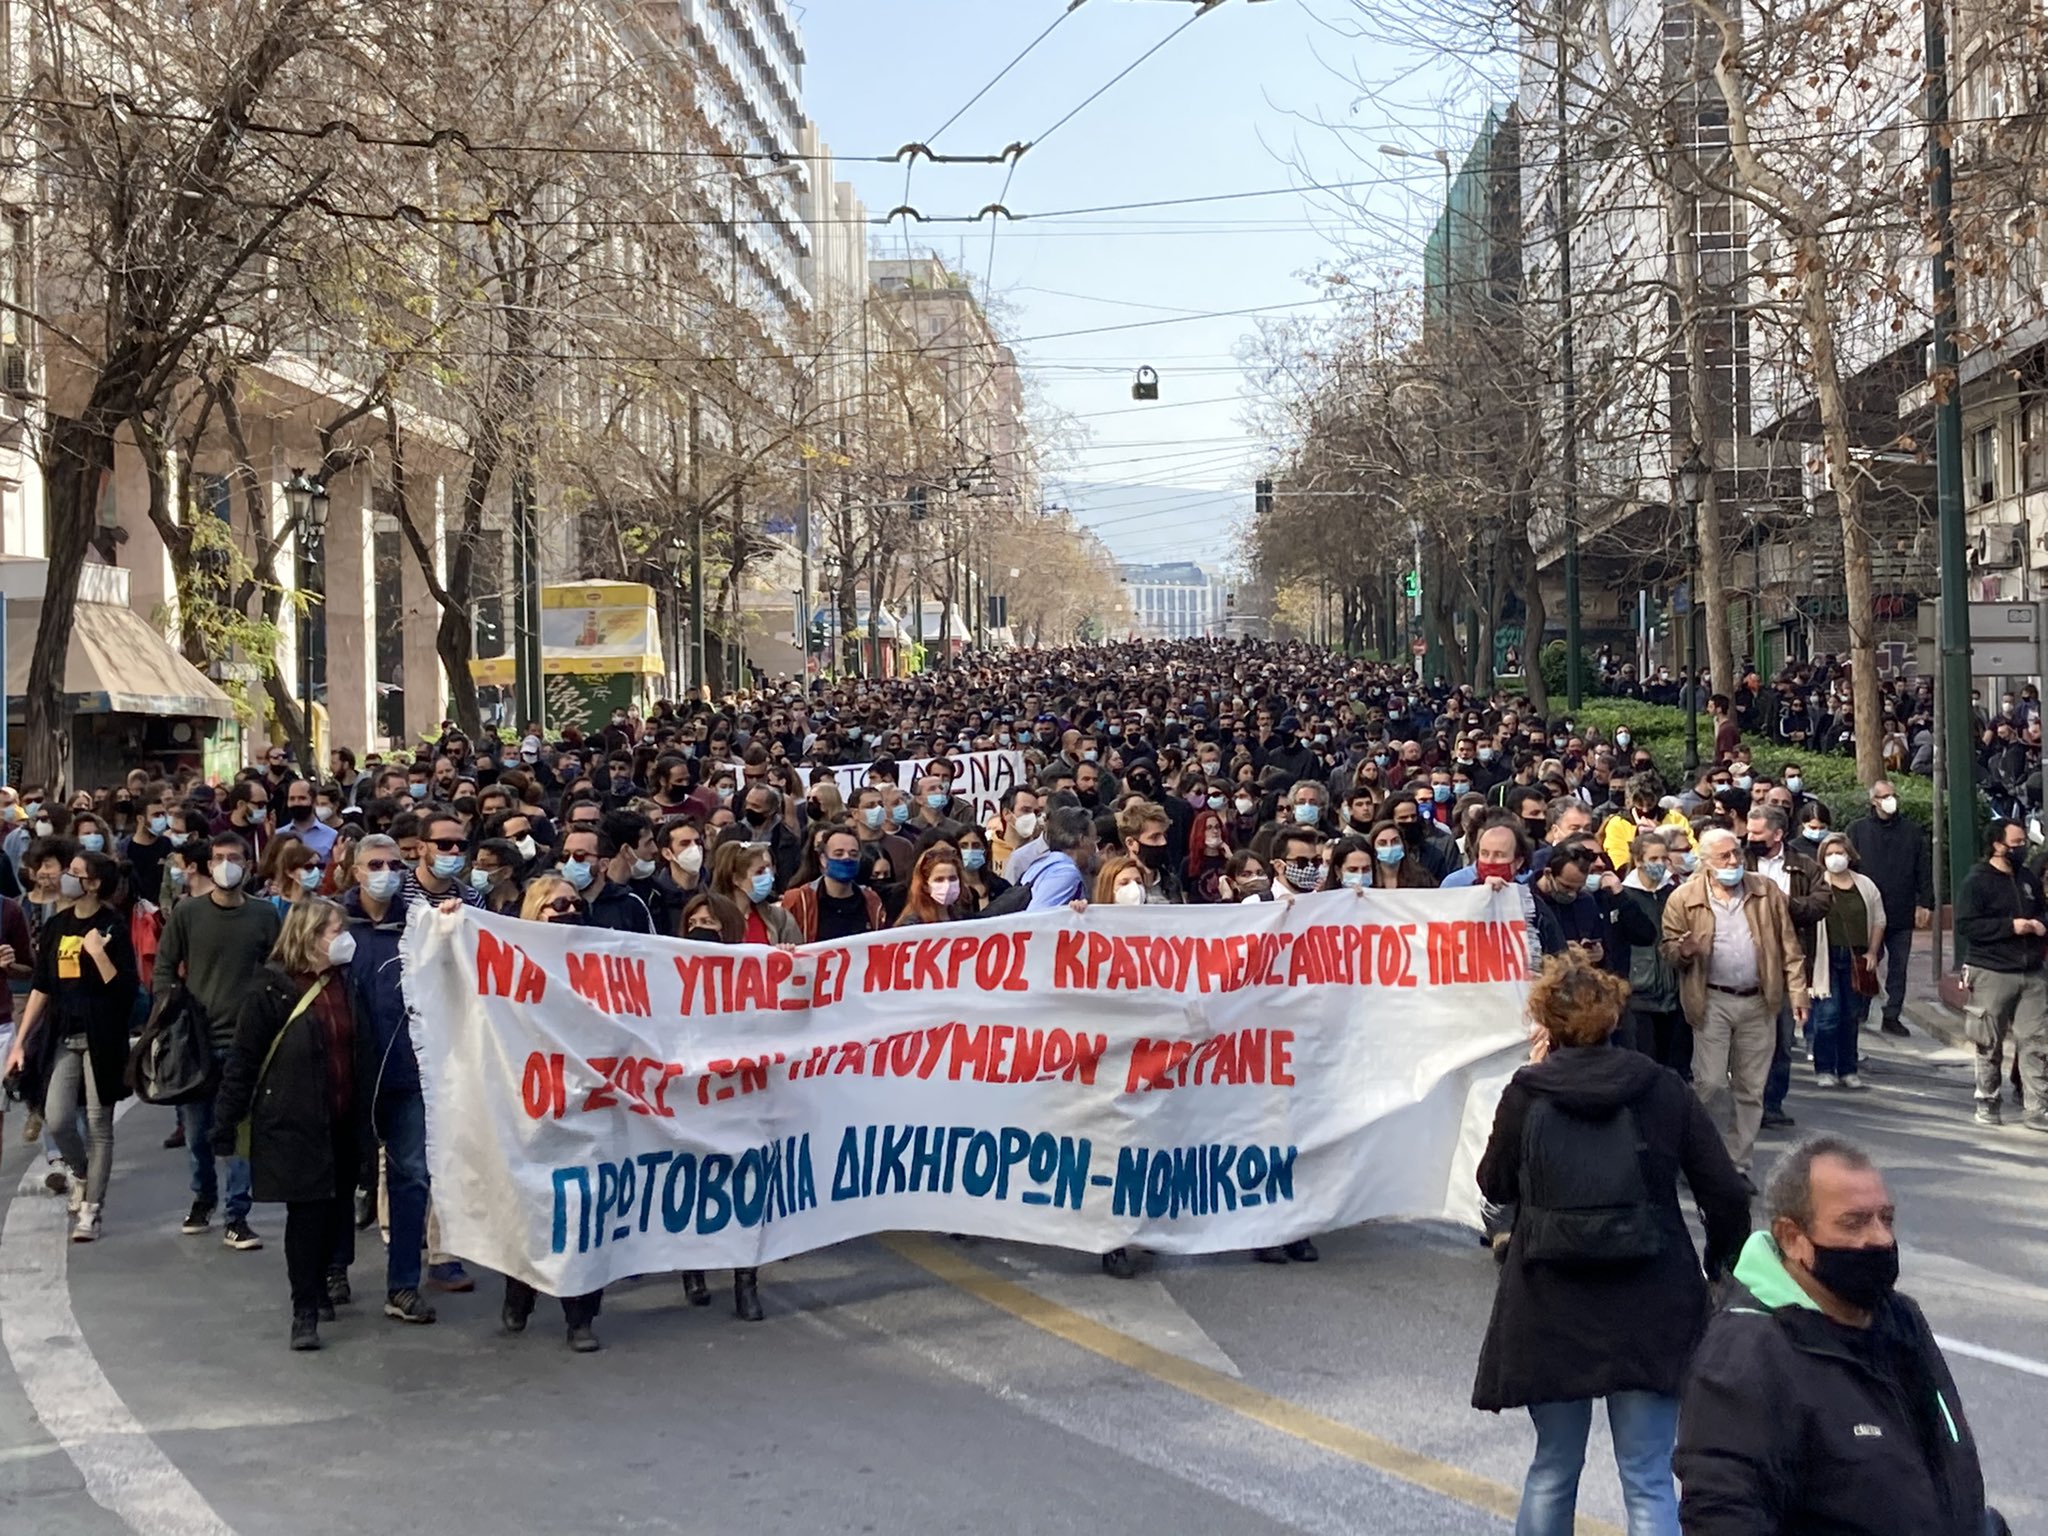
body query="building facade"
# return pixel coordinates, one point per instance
(1177, 600)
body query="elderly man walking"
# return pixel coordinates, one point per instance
(1729, 935)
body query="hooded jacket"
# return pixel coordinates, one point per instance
(1792, 1422)
(1564, 1333)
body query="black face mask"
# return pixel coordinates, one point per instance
(757, 818)
(1152, 856)
(1759, 847)
(1862, 1277)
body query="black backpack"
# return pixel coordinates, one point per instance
(1015, 899)
(1585, 1200)
(173, 1061)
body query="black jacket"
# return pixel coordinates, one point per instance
(1559, 1334)
(291, 1129)
(1985, 910)
(1894, 856)
(1810, 895)
(1792, 1423)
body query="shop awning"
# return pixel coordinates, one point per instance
(117, 665)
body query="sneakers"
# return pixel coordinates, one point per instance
(1852, 1082)
(2038, 1121)
(198, 1219)
(1778, 1120)
(1302, 1251)
(1826, 1080)
(305, 1331)
(338, 1293)
(76, 1197)
(449, 1277)
(1988, 1113)
(406, 1307)
(86, 1229)
(239, 1236)
(1119, 1265)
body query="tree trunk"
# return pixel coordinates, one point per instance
(1707, 433)
(80, 455)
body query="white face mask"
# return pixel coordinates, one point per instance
(1025, 825)
(1889, 805)
(1838, 863)
(341, 948)
(690, 859)
(527, 847)
(1130, 894)
(228, 874)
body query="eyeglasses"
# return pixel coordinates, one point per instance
(376, 866)
(561, 906)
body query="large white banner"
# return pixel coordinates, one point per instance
(1191, 1079)
(979, 778)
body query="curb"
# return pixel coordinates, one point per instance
(1936, 1020)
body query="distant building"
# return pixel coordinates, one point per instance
(1175, 601)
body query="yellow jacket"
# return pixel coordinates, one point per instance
(1620, 830)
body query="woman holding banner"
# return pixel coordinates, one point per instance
(710, 919)
(1601, 1293)
(551, 899)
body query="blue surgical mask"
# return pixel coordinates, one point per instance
(1729, 877)
(872, 816)
(1441, 793)
(177, 877)
(1390, 856)
(383, 884)
(973, 858)
(937, 802)
(480, 878)
(577, 873)
(762, 886)
(1487, 754)
(845, 871)
(417, 791)
(256, 815)
(1687, 860)
(1461, 789)
(1357, 879)
(1308, 813)
(1381, 758)
(1742, 781)
(1813, 834)
(92, 842)
(158, 825)
(448, 865)
(1621, 738)
(900, 812)
(1794, 783)
(309, 877)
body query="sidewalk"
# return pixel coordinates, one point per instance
(1928, 1008)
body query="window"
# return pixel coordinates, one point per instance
(2034, 442)
(1983, 463)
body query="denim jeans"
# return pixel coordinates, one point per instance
(401, 1121)
(1838, 1016)
(1644, 1426)
(197, 1118)
(71, 1099)
(1898, 955)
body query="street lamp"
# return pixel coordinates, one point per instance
(1692, 490)
(308, 502)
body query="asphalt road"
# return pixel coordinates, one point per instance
(906, 1385)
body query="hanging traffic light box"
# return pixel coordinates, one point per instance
(1147, 385)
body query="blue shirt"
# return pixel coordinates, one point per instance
(1053, 881)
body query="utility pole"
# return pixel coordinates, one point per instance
(803, 534)
(526, 539)
(1574, 680)
(1959, 805)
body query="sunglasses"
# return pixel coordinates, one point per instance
(448, 844)
(561, 906)
(377, 865)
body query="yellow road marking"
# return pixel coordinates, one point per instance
(1212, 1386)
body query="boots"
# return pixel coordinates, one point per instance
(305, 1330)
(694, 1289)
(746, 1299)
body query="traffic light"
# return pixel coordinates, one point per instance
(1411, 584)
(817, 631)
(917, 503)
(1262, 497)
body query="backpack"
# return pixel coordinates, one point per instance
(1585, 1200)
(172, 1061)
(1015, 899)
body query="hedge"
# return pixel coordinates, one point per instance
(1661, 729)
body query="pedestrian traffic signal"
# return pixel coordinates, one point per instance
(1411, 584)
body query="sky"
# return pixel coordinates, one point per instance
(1232, 104)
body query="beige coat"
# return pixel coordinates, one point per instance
(1781, 965)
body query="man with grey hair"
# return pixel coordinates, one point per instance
(1060, 874)
(1819, 1400)
(1728, 935)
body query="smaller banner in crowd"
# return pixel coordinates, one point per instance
(979, 779)
(1192, 1079)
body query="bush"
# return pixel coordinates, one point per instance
(1550, 662)
(1661, 729)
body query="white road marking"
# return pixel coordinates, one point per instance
(2018, 1363)
(124, 1471)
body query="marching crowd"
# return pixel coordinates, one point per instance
(1709, 943)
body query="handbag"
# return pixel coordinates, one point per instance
(1652, 986)
(172, 1062)
(1863, 976)
(244, 1131)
